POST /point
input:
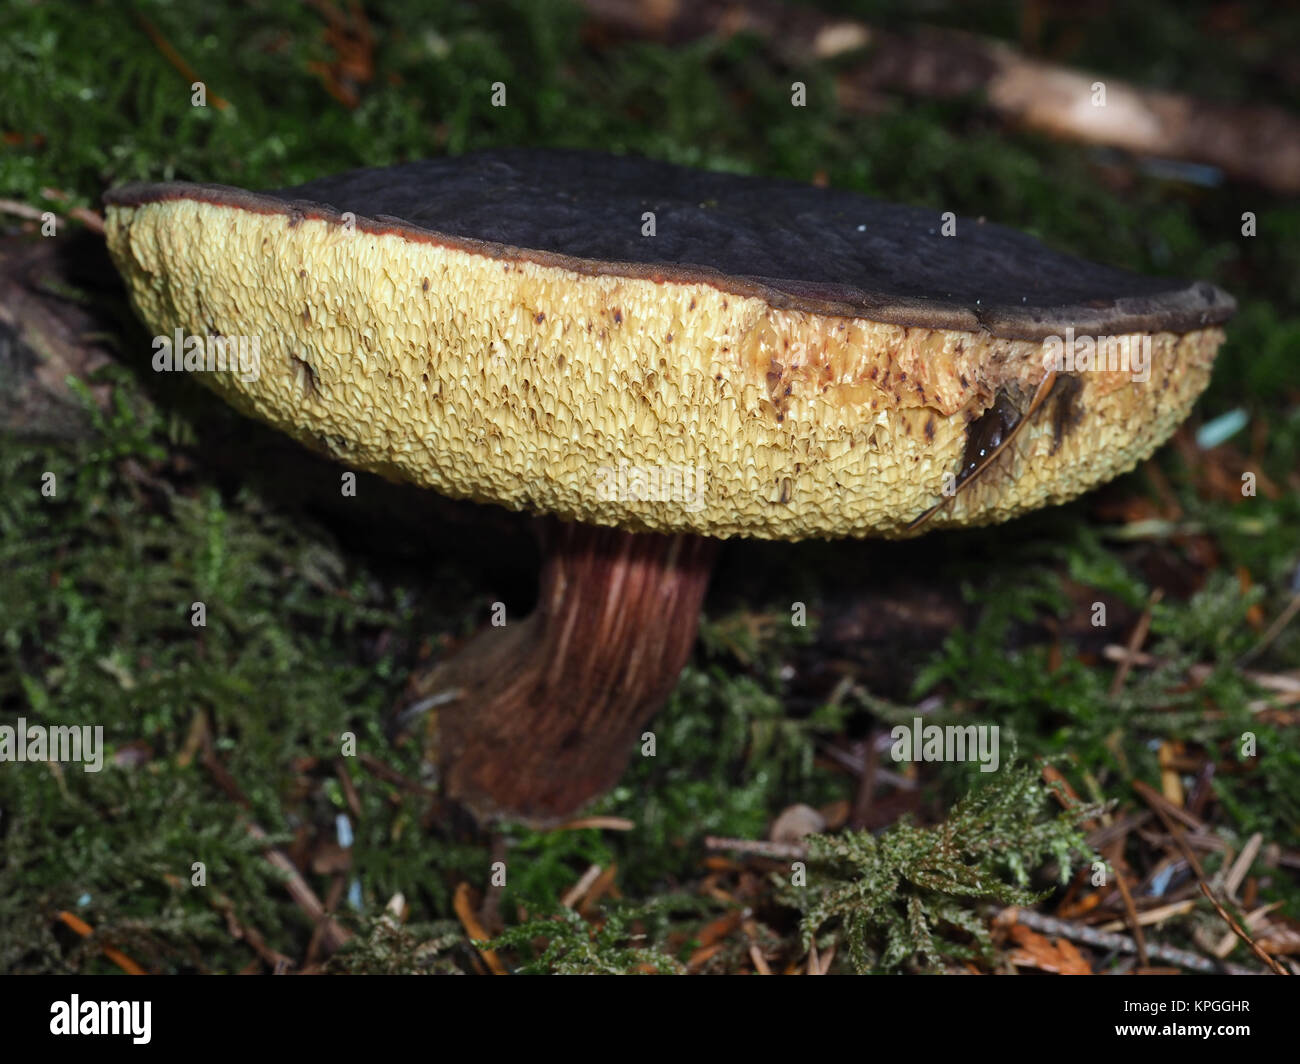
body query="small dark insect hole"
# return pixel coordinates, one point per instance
(306, 377)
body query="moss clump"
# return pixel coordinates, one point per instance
(905, 896)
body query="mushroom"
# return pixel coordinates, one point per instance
(656, 358)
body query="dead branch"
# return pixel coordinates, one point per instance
(1253, 143)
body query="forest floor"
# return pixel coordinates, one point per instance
(1131, 785)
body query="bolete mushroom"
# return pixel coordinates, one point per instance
(656, 358)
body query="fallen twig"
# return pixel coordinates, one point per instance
(334, 933)
(1109, 940)
(475, 930)
(575, 893)
(115, 955)
(1273, 630)
(174, 58)
(1160, 804)
(1253, 143)
(1280, 682)
(606, 823)
(793, 850)
(1135, 925)
(1135, 642)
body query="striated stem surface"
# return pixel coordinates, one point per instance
(550, 708)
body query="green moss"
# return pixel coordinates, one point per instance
(306, 640)
(904, 896)
(566, 944)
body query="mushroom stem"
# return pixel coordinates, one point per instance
(539, 717)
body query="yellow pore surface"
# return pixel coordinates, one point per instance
(615, 400)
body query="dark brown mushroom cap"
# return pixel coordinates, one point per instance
(797, 247)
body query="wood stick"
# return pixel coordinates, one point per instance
(1247, 142)
(474, 930)
(1135, 925)
(792, 850)
(334, 933)
(1135, 642)
(115, 955)
(575, 893)
(1158, 802)
(1109, 940)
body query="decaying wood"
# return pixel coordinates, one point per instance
(47, 334)
(1247, 142)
